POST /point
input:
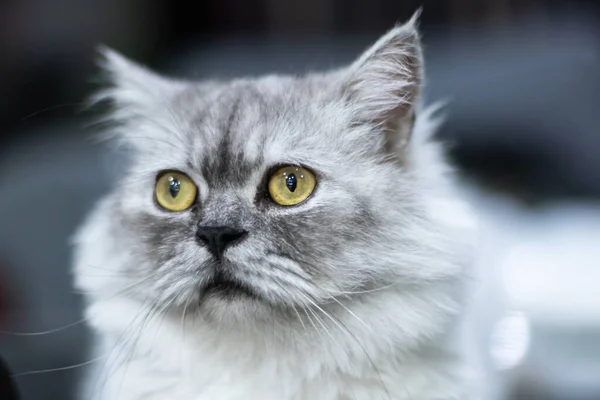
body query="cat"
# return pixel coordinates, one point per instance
(277, 238)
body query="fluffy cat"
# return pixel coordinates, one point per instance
(353, 293)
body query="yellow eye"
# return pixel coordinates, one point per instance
(291, 185)
(175, 191)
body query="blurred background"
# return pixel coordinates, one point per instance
(522, 78)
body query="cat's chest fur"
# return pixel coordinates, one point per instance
(175, 359)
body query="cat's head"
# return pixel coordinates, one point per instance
(274, 193)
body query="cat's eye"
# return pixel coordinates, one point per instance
(291, 185)
(175, 191)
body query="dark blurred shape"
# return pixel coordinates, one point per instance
(7, 387)
(47, 49)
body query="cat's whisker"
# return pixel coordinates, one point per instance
(287, 266)
(323, 325)
(344, 328)
(379, 289)
(133, 347)
(183, 330)
(312, 323)
(352, 314)
(348, 331)
(152, 311)
(299, 318)
(164, 310)
(76, 323)
(48, 332)
(125, 289)
(287, 292)
(58, 369)
(109, 270)
(104, 374)
(52, 108)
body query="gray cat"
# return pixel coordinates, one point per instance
(277, 238)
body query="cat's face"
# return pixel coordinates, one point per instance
(232, 246)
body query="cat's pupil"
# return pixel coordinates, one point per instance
(174, 186)
(291, 182)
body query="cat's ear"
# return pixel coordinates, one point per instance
(383, 84)
(131, 87)
(140, 116)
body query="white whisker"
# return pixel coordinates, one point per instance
(43, 371)
(312, 323)
(340, 325)
(352, 314)
(299, 317)
(81, 321)
(370, 290)
(322, 325)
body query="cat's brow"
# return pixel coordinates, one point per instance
(225, 148)
(225, 165)
(232, 118)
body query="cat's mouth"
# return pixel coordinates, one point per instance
(221, 285)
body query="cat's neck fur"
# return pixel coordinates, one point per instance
(194, 359)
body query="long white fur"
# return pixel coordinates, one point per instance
(392, 344)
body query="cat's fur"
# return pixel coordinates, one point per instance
(358, 288)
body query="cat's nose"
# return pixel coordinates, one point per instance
(217, 238)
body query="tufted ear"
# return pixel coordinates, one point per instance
(140, 115)
(130, 85)
(383, 85)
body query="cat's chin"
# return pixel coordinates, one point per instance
(233, 306)
(230, 299)
(228, 289)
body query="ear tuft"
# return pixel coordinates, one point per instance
(140, 115)
(383, 85)
(130, 85)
